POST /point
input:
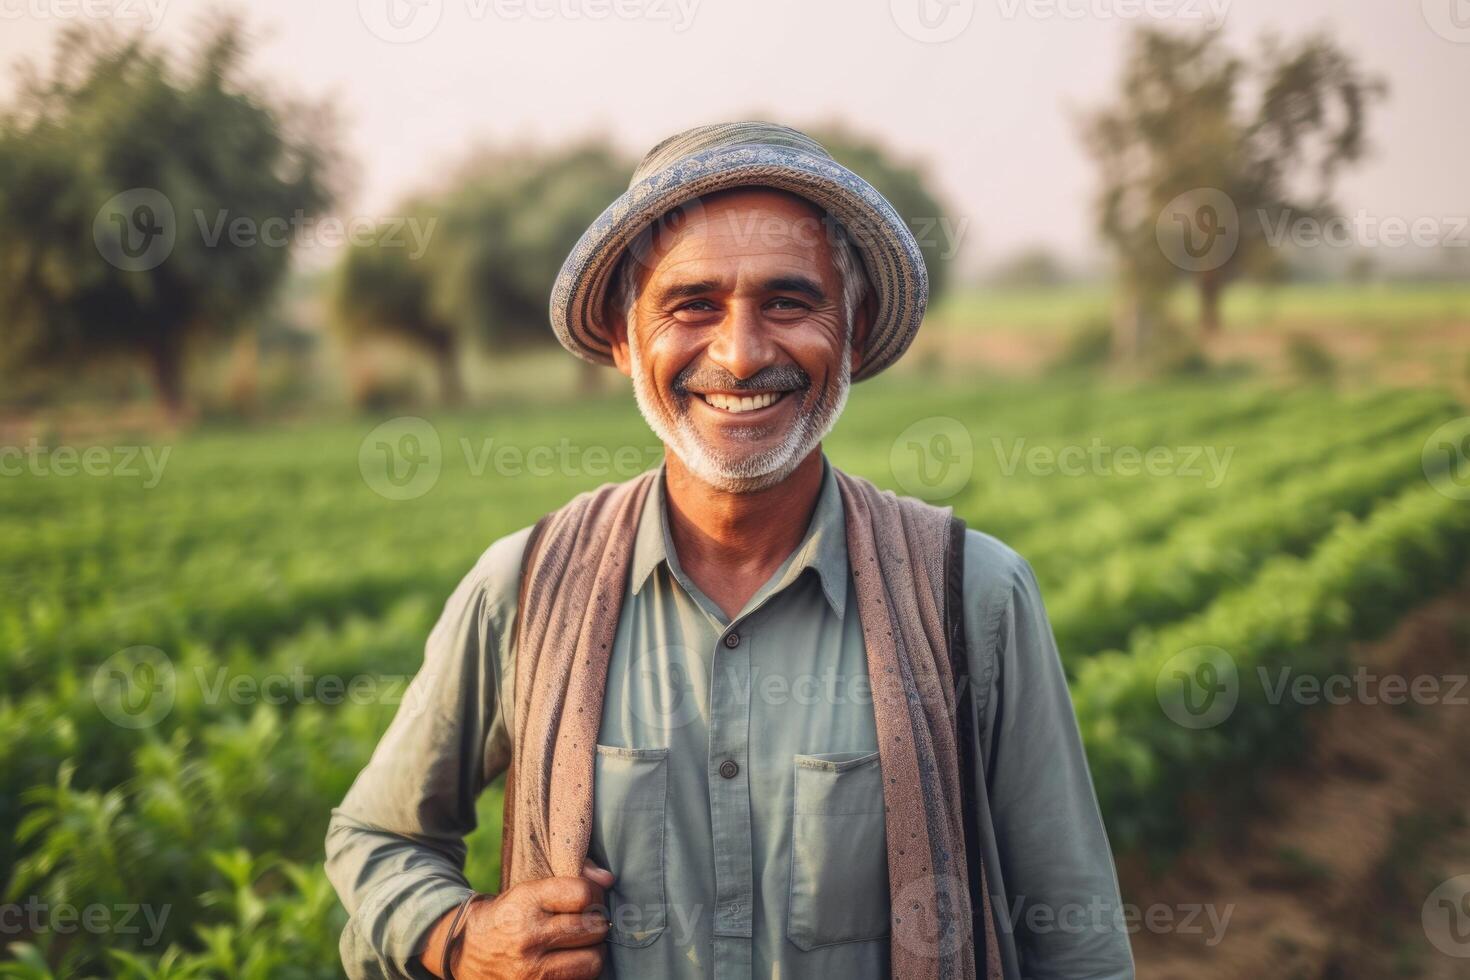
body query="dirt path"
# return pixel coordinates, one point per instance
(1331, 876)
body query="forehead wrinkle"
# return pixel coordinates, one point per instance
(759, 270)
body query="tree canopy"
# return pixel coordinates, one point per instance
(135, 199)
(1203, 151)
(910, 190)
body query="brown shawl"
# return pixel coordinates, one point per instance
(572, 588)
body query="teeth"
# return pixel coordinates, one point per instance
(742, 403)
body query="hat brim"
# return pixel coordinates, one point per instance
(890, 255)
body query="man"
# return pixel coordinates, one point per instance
(756, 717)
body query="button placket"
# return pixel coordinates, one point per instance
(729, 786)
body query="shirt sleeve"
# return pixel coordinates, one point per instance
(1063, 907)
(395, 848)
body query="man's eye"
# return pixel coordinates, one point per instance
(785, 303)
(698, 306)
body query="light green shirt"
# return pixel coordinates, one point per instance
(737, 793)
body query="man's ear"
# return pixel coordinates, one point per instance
(862, 326)
(616, 323)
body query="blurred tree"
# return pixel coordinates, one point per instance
(504, 225)
(135, 198)
(382, 288)
(909, 189)
(1030, 267)
(1203, 155)
(511, 219)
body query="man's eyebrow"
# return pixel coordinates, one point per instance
(684, 290)
(804, 285)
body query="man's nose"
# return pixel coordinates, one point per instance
(742, 344)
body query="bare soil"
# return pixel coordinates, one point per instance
(1328, 877)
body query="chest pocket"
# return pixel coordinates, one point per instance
(839, 857)
(630, 796)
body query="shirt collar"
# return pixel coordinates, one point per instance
(823, 548)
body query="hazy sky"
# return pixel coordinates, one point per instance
(991, 110)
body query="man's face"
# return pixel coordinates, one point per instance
(738, 345)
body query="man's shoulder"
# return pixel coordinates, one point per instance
(494, 581)
(994, 572)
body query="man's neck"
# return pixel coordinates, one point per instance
(731, 543)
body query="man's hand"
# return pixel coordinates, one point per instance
(552, 928)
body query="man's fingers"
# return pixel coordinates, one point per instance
(574, 964)
(601, 876)
(571, 930)
(566, 894)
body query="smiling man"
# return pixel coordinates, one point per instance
(756, 717)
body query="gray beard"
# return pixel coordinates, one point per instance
(748, 472)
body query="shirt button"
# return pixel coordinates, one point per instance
(732, 640)
(729, 768)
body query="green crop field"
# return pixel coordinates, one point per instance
(1388, 307)
(202, 641)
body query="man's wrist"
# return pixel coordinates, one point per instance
(434, 945)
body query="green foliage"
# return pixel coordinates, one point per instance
(495, 237)
(267, 554)
(191, 149)
(910, 190)
(1088, 346)
(1308, 359)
